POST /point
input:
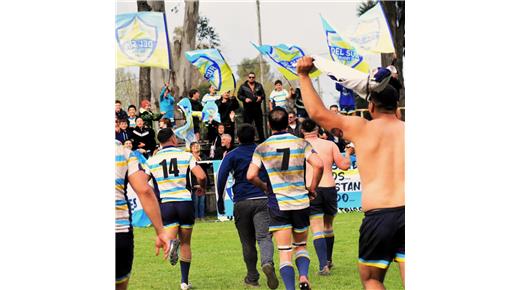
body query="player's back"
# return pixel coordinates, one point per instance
(283, 156)
(170, 169)
(380, 153)
(325, 152)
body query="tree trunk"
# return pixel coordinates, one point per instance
(182, 69)
(145, 92)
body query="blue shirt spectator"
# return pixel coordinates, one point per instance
(347, 99)
(167, 102)
(237, 161)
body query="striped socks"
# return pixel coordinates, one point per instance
(320, 244)
(302, 262)
(287, 273)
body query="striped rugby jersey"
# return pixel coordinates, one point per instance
(126, 164)
(279, 98)
(283, 156)
(169, 167)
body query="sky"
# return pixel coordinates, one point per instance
(288, 22)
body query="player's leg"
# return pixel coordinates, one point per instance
(372, 277)
(283, 243)
(242, 212)
(330, 209)
(124, 259)
(318, 235)
(171, 227)
(300, 221)
(185, 253)
(265, 241)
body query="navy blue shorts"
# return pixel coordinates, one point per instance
(124, 256)
(326, 202)
(381, 237)
(178, 213)
(297, 220)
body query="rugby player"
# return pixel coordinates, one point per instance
(170, 169)
(283, 156)
(127, 170)
(325, 206)
(380, 152)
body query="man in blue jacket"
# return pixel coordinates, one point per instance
(250, 208)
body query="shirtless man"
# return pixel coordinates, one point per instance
(380, 152)
(325, 206)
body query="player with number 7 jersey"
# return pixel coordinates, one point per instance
(284, 155)
(170, 169)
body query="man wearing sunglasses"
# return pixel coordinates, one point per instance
(251, 93)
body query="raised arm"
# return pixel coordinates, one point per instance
(350, 125)
(342, 162)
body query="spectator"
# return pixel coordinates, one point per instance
(131, 116)
(336, 136)
(167, 102)
(227, 105)
(145, 113)
(128, 144)
(294, 125)
(195, 107)
(199, 201)
(278, 97)
(144, 138)
(347, 99)
(218, 140)
(165, 123)
(334, 109)
(251, 93)
(296, 95)
(120, 113)
(123, 134)
(211, 96)
(117, 129)
(212, 127)
(221, 151)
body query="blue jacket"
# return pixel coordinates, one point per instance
(166, 104)
(237, 162)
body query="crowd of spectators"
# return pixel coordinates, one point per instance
(134, 129)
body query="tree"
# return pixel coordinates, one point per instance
(127, 87)
(145, 91)
(207, 37)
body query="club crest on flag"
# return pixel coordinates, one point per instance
(137, 39)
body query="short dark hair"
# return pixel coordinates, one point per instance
(278, 119)
(221, 124)
(132, 106)
(118, 102)
(309, 125)
(277, 82)
(192, 92)
(333, 106)
(246, 134)
(251, 73)
(193, 143)
(385, 101)
(123, 120)
(164, 135)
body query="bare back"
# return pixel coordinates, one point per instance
(380, 157)
(325, 152)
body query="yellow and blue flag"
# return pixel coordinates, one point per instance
(343, 52)
(210, 109)
(186, 131)
(142, 40)
(213, 67)
(285, 57)
(372, 33)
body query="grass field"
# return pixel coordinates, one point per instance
(217, 260)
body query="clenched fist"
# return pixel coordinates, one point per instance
(305, 65)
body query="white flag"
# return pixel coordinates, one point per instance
(372, 33)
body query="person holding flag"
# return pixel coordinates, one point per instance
(167, 102)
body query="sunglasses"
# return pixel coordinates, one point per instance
(251, 77)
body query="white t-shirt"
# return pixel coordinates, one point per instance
(279, 98)
(208, 97)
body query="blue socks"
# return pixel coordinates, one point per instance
(287, 273)
(185, 271)
(320, 244)
(329, 237)
(302, 262)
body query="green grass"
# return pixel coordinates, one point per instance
(217, 261)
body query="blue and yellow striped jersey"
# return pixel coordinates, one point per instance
(283, 156)
(169, 167)
(126, 165)
(279, 98)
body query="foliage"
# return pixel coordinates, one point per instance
(127, 87)
(207, 37)
(253, 65)
(365, 6)
(217, 261)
